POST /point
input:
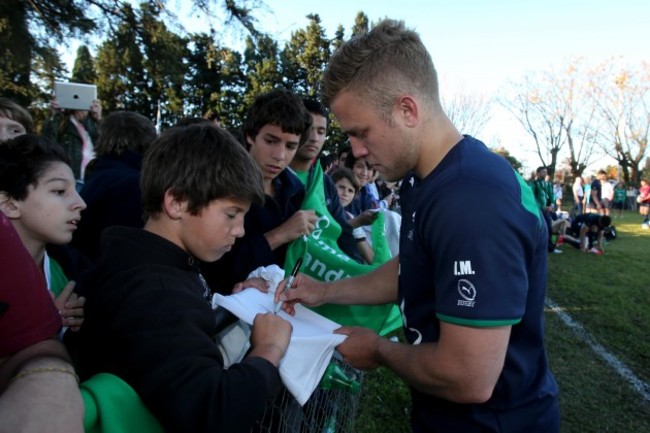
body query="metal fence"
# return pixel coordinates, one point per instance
(327, 411)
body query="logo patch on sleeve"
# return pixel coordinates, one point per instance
(467, 292)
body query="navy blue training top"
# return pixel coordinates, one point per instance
(473, 253)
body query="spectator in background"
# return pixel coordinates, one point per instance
(543, 191)
(631, 195)
(578, 197)
(619, 199)
(558, 195)
(607, 193)
(14, 120)
(644, 203)
(595, 204)
(347, 186)
(342, 155)
(586, 185)
(364, 200)
(112, 189)
(303, 165)
(76, 132)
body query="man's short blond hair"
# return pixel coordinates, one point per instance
(388, 61)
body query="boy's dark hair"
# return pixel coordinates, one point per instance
(23, 160)
(122, 131)
(10, 110)
(281, 108)
(198, 163)
(315, 107)
(346, 173)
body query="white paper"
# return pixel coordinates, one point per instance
(312, 341)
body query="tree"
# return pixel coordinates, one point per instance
(215, 81)
(164, 54)
(32, 29)
(621, 95)
(83, 70)
(261, 67)
(28, 31)
(121, 82)
(536, 106)
(305, 57)
(361, 24)
(468, 112)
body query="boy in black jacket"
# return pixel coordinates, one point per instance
(149, 320)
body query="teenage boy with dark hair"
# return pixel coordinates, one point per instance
(149, 317)
(276, 124)
(304, 166)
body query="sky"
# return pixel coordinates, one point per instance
(479, 46)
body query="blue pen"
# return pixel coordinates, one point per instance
(292, 277)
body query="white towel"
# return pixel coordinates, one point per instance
(312, 341)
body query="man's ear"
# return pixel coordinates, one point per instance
(9, 206)
(408, 109)
(173, 207)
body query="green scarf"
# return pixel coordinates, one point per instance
(324, 260)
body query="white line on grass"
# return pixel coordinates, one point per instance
(637, 384)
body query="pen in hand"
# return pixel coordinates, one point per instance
(290, 280)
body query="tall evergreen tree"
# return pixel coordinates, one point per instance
(31, 29)
(83, 70)
(261, 67)
(304, 58)
(215, 81)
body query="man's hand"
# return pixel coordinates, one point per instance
(360, 348)
(305, 290)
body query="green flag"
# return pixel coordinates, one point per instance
(324, 260)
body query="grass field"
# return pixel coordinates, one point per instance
(609, 296)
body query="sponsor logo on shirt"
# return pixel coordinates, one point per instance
(463, 267)
(467, 292)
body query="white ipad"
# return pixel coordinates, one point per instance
(75, 96)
